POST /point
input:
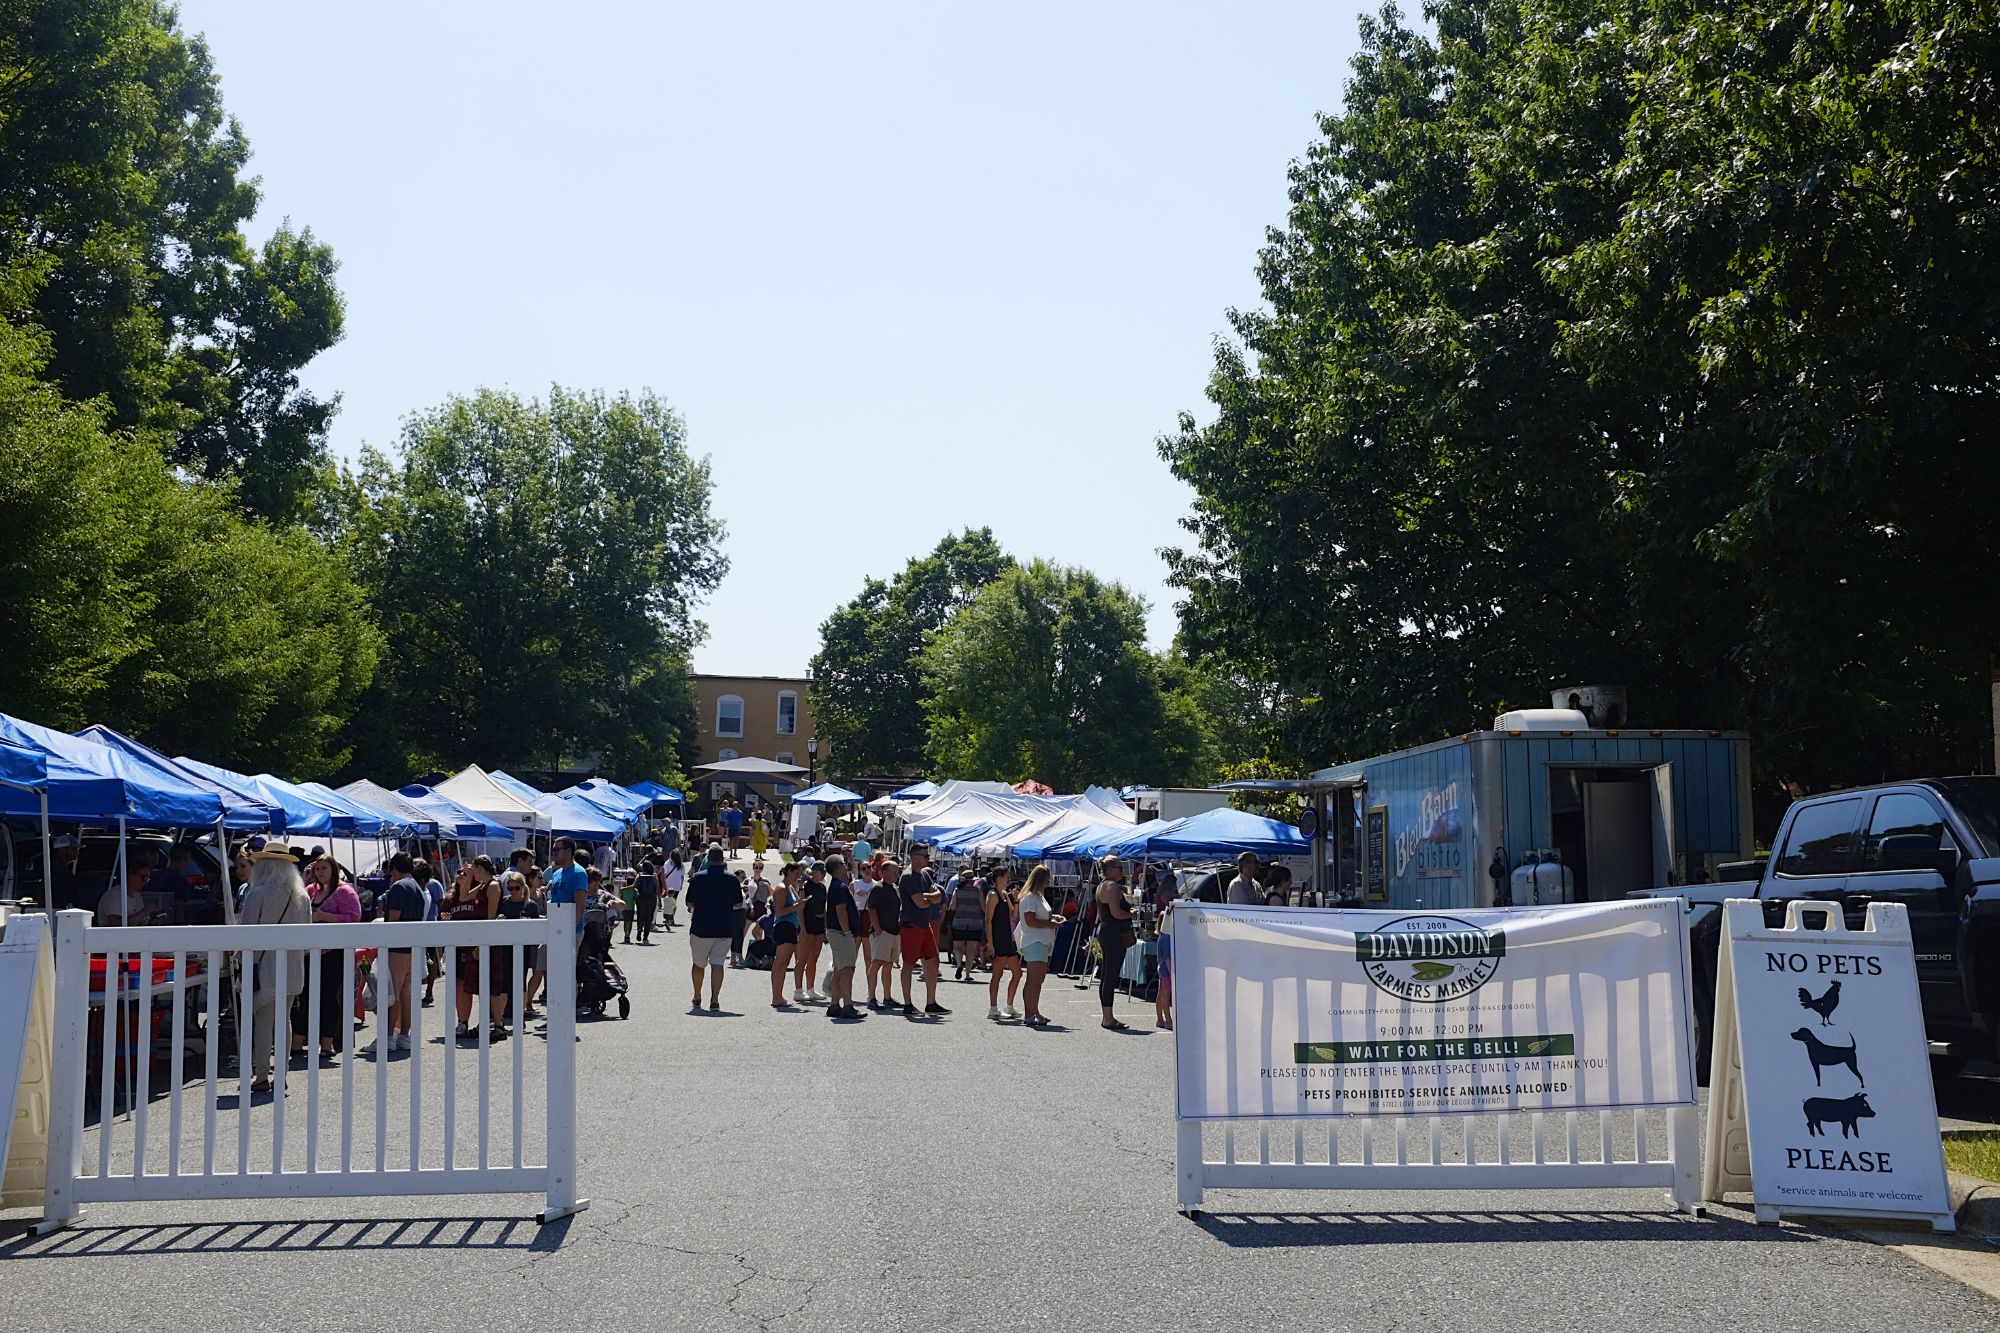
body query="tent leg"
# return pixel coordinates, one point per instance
(48, 867)
(222, 859)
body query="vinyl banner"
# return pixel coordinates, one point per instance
(1284, 1013)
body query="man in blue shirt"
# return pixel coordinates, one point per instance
(714, 897)
(568, 881)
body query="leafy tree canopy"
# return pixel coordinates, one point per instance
(1045, 674)
(1622, 342)
(533, 565)
(122, 185)
(151, 604)
(866, 678)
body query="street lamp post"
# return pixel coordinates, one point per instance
(812, 760)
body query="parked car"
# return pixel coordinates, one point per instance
(97, 861)
(1932, 845)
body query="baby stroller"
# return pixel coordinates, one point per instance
(599, 981)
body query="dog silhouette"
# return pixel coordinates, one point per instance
(1822, 1054)
(1849, 1111)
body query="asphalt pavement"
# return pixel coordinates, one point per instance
(774, 1170)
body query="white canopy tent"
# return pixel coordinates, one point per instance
(1011, 817)
(476, 790)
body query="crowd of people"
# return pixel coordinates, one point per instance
(813, 926)
(824, 919)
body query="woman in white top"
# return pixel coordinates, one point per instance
(1037, 940)
(670, 886)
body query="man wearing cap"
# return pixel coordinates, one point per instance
(62, 879)
(920, 906)
(713, 898)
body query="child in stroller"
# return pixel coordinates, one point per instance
(599, 981)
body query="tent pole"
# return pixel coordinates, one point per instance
(124, 879)
(222, 859)
(48, 866)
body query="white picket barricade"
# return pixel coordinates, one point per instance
(309, 1139)
(1291, 1011)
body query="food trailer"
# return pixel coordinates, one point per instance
(1469, 820)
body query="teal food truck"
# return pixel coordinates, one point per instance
(1546, 807)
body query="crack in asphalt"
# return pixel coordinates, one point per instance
(619, 1211)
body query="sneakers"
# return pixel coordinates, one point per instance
(819, 993)
(936, 1010)
(500, 1032)
(910, 1009)
(1012, 1012)
(799, 995)
(994, 1014)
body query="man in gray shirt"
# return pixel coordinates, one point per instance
(1245, 888)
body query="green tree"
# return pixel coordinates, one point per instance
(1605, 342)
(151, 604)
(533, 566)
(867, 685)
(1802, 291)
(1045, 674)
(121, 181)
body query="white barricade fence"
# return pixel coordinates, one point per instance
(433, 1120)
(1522, 1048)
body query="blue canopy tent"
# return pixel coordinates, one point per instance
(420, 823)
(92, 783)
(603, 799)
(23, 768)
(610, 796)
(303, 815)
(916, 791)
(454, 820)
(1068, 842)
(1217, 833)
(661, 795)
(241, 809)
(827, 793)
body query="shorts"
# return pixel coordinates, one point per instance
(918, 943)
(709, 952)
(1034, 951)
(785, 932)
(882, 947)
(844, 947)
(1011, 951)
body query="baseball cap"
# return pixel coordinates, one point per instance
(67, 840)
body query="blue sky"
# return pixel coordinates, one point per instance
(904, 269)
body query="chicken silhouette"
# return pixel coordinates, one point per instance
(1824, 1005)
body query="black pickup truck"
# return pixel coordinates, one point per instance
(1932, 845)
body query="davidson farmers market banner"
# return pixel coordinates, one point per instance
(1283, 1013)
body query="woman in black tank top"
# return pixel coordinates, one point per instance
(1000, 943)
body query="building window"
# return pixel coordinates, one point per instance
(788, 713)
(729, 716)
(784, 789)
(723, 789)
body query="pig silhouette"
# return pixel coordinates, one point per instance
(1847, 1110)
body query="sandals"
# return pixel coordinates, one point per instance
(1115, 1026)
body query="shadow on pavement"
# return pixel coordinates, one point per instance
(1264, 1230)
(318, 1236)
